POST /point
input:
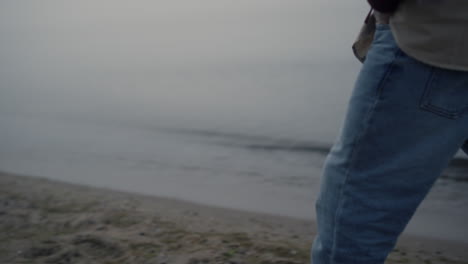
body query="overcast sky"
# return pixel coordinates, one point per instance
(279, 66)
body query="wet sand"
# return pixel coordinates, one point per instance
(44, 221)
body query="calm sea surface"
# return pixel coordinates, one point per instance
(244, 171)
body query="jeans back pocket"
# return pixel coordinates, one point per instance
(446, 93)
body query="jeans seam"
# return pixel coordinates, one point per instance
(382, 83)
(425, 103)
(354, 150)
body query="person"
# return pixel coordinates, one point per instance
(406, 119)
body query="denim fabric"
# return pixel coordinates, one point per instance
(405, 122)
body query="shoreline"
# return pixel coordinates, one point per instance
(48, 221)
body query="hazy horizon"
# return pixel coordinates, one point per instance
(267, 67)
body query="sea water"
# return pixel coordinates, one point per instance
(243, 171)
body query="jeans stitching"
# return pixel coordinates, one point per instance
(425, 103)
(382, 83)
(354, 150)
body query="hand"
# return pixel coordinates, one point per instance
(382, 18)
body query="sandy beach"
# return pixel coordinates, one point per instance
(44, 221)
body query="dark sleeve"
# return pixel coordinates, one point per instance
(384, 6)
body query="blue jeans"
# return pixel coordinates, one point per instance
(405, 122)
